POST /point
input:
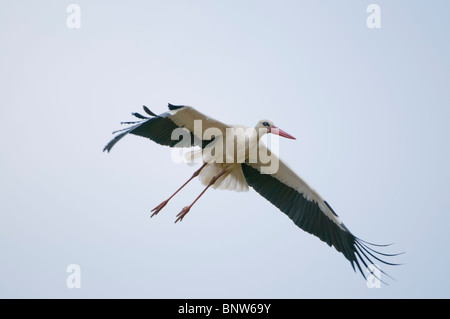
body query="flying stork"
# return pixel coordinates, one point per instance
(283, 188)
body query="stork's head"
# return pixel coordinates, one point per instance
(267, 126)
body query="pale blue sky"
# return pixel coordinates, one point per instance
(369, 108)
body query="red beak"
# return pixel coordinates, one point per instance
(275, 130)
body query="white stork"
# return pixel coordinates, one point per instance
(283, 188)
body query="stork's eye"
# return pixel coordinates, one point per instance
(266, 124)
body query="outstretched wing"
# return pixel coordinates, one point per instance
(309, 211)
(159, 128)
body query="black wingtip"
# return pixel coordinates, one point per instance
(108, 147)
(127, 130)
(373, 244)
(113, 142)
(139, 116)
(364, 253)
(174, 107)
(147, 110)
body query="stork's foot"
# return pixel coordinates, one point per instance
(158, 208)
(183, 213)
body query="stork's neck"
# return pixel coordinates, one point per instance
(260, 133)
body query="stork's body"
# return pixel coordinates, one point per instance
(233, 158)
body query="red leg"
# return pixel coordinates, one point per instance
(186, 209)
(158, 208)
